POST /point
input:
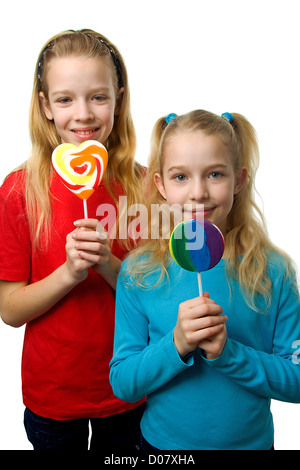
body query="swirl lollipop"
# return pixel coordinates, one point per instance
(196, 246)
(81, 168)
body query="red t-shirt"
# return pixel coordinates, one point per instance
(66, 352)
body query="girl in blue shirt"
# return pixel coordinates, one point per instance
(208, 365)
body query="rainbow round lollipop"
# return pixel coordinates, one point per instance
(196, 245)
(81, 168)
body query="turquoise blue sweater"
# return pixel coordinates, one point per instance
(203, 404)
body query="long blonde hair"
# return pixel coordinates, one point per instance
(121, 143)
(246, 229)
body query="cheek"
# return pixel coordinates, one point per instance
(107, 117)
(107, 114)
(60, 118)
(225, 194)
(176, 195)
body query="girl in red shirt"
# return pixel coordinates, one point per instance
(58, 279)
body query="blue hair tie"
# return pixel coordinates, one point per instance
(170, 117)
(228, 117)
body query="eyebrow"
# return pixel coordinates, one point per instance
(175, 168)
(184, 168)
(95, 90)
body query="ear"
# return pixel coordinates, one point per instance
(45, 105)
(160, 185)
(240, 180)
(119, 101)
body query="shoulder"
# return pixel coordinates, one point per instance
(281, 271)
(14, 184)
(278, 263)
(128, 274)
(139, 270)
(12, 195)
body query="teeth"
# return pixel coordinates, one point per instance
(84, 132)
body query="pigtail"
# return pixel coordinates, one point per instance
(246, 227)
(245, 150)
(247, 144)
(156, 138)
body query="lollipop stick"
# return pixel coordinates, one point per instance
(85, 209)
(200, 284)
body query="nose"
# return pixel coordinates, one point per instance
(198, 190)
(83, 111)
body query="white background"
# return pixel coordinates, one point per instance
(233, 55)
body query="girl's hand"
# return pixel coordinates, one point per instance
(86, 247)
(199, 324)
(92, 242)
(214, 345)
(93, 248)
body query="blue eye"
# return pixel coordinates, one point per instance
(99, 98)
(215, 174)
(64, 100)
(180, 178)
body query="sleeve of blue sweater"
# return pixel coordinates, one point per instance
(137, 368)
(274, 375)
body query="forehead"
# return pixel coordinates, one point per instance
(195, 145)
(73, 70)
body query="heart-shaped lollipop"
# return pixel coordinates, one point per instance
(80, 168)
(196, 245)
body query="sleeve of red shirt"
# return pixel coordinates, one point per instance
(15, 252)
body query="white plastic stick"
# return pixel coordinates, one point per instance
(85, 209)
(200, 284)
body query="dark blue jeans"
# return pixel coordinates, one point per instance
(113, 434)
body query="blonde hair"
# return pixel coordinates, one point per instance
(246, 229)
(121, 144)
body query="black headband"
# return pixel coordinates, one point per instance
(115, 59)
(39, 68)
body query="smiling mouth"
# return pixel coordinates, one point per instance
(84, 132)
(201, 212)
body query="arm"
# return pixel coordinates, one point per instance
(137, 368)
(21, 302)
(275, 375)
(140, 367)
(266, 375)
(109, 270)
